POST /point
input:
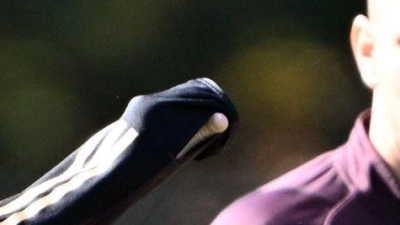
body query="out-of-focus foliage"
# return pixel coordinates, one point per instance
(68, 68)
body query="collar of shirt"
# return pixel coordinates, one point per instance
(372, 186)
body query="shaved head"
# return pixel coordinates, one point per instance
(376, 8)
(370, 5)
(383, 12)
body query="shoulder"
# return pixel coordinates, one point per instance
(280, 207)
(305, 196)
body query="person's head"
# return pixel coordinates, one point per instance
(375, 41)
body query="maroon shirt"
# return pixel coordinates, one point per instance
(347, 186)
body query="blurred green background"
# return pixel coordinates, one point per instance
(68, 68)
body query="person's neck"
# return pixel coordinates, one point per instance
(384, 138)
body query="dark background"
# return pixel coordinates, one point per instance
(68, 68)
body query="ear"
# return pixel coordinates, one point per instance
(363, 42)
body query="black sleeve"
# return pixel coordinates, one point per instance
(123, 162)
